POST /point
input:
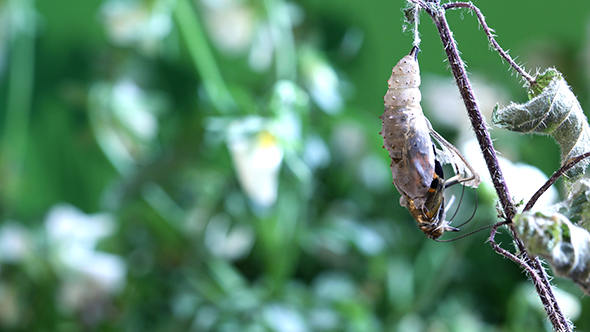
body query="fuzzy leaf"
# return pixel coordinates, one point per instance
(543, 80)
(577, 206)
(553, 110)
(565, 246)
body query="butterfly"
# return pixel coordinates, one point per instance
(416, 162)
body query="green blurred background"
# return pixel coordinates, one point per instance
(215, 166)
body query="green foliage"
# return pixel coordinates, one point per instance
(577, 206)
(555, 111)
(565, 246)
(136, 137)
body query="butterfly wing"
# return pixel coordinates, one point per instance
(447, 153)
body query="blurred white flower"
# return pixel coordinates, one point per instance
(72, 237)
(257, 159)
(259, 145)
(523, 180)
(66, 224)
(230, 24)
(124, 119)
(288, 99)
(131, 105)
(288, 103)
(133, 23)
(15, 242)
(236, 29)
(321, 80)
(283, 318)
(222, 241)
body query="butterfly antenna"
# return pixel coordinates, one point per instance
(474, 209)
(458, 206)
(466, 235)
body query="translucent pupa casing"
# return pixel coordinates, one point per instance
(406, 131)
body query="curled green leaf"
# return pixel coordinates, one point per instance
(565, 246)
(553, 110)
(542, 81)
(577, 206)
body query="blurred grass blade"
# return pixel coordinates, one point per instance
(282, 35)
(196, 42)
(20, 94)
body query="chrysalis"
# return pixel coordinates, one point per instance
(416, 163)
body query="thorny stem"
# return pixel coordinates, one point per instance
(530, 264)
(564, 324)
(542, 284)
(571, 163)
(490, 33)
(538, 276)
(506, 253)
(477, 121)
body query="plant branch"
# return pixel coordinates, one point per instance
(458, 68)
(537, 274)
(571, 163)
(491, 37)
(507, 253)
(530, 264)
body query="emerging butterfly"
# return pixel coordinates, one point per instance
(416, 163)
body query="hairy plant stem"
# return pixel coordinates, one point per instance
(571, 163)
(537, 273)
(483, 137)
(531, 264)
(490, 33)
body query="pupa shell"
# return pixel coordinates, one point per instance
(406, 131)
(416, 163)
